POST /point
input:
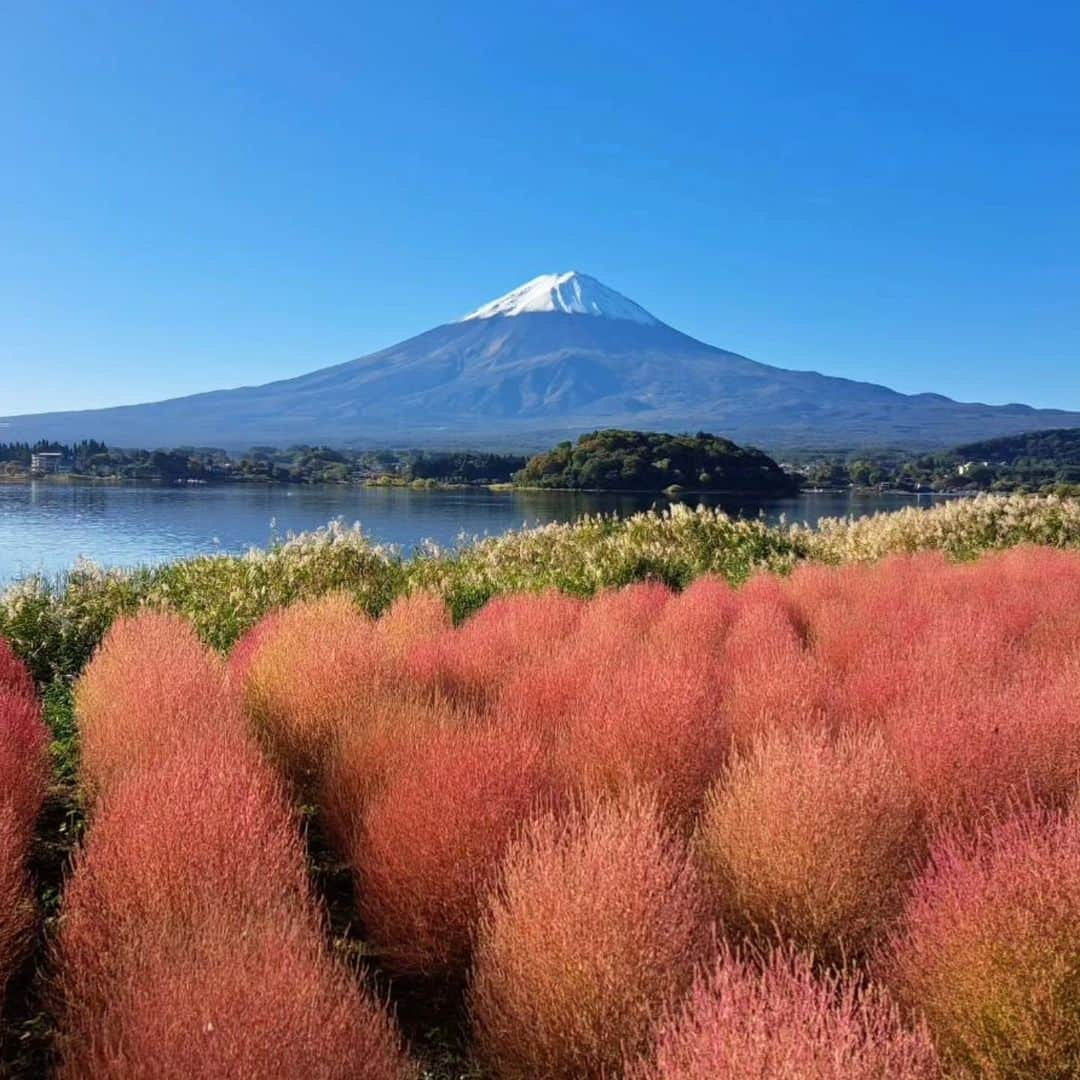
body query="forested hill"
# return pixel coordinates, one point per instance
(617, 460)
(1060, 446)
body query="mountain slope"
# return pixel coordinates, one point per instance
(557, 357)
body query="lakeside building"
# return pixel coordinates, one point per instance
(46, 463)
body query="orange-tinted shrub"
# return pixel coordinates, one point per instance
(989, 948)
(699, 618)
(363, 758)
(773, 681)
(594, 927)
(617, 621)
(151, 689)
(430, 842)
(810, 840)
(779, 1020)
(976, 746)
(204, 835)
(319, 665)
(249, 643)
(412, 619)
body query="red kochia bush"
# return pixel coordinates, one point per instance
(23, 780)
(986, 726)
(467, 665)
(24, 762)
(14, 675)
(616, 621)
(778, 1020)
(190, 943)
(657, 724)
(595, 926)
(431, 840)
(699, 618)
(989, 948)
(811, 840)
(363, 758)
(968, 671)
(204, 835)
(266, 1004)
(773, 680)
(152, 688)
(16, 907)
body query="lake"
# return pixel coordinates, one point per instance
(45, 527)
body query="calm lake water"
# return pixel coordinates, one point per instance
(45, 527)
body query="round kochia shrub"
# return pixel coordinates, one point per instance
(363, 759)
(773, 682)
(205, 834)
(430, 842)
(412, 619)
(14, 675)
(151, 689)
(810, 840)
(468, 664)
(654, 724)
(595, 926)
(190, 943)
(989, 948)
(266, 1004)
(24, 761)
(16, 906)
(318, 665)
(23, 782)
(779, 1021)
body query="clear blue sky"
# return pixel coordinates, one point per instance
(210, 193)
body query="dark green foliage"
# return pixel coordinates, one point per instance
(268, 464)
(616, 460)
(1058, 447)
(1046, 462)
(466, 467)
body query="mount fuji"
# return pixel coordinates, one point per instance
(558, 356)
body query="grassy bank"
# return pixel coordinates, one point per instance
(56, 624)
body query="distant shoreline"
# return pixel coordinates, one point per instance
(673, 495)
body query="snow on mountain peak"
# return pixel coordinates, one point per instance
(571, 293)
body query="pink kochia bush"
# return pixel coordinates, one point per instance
(151, 690)
(810, 840)
(594, 927)
(778, 1019)
(989, 948)
(467, 665)
(190, 942)
(23, 780)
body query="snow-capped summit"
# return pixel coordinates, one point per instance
(571, 293)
